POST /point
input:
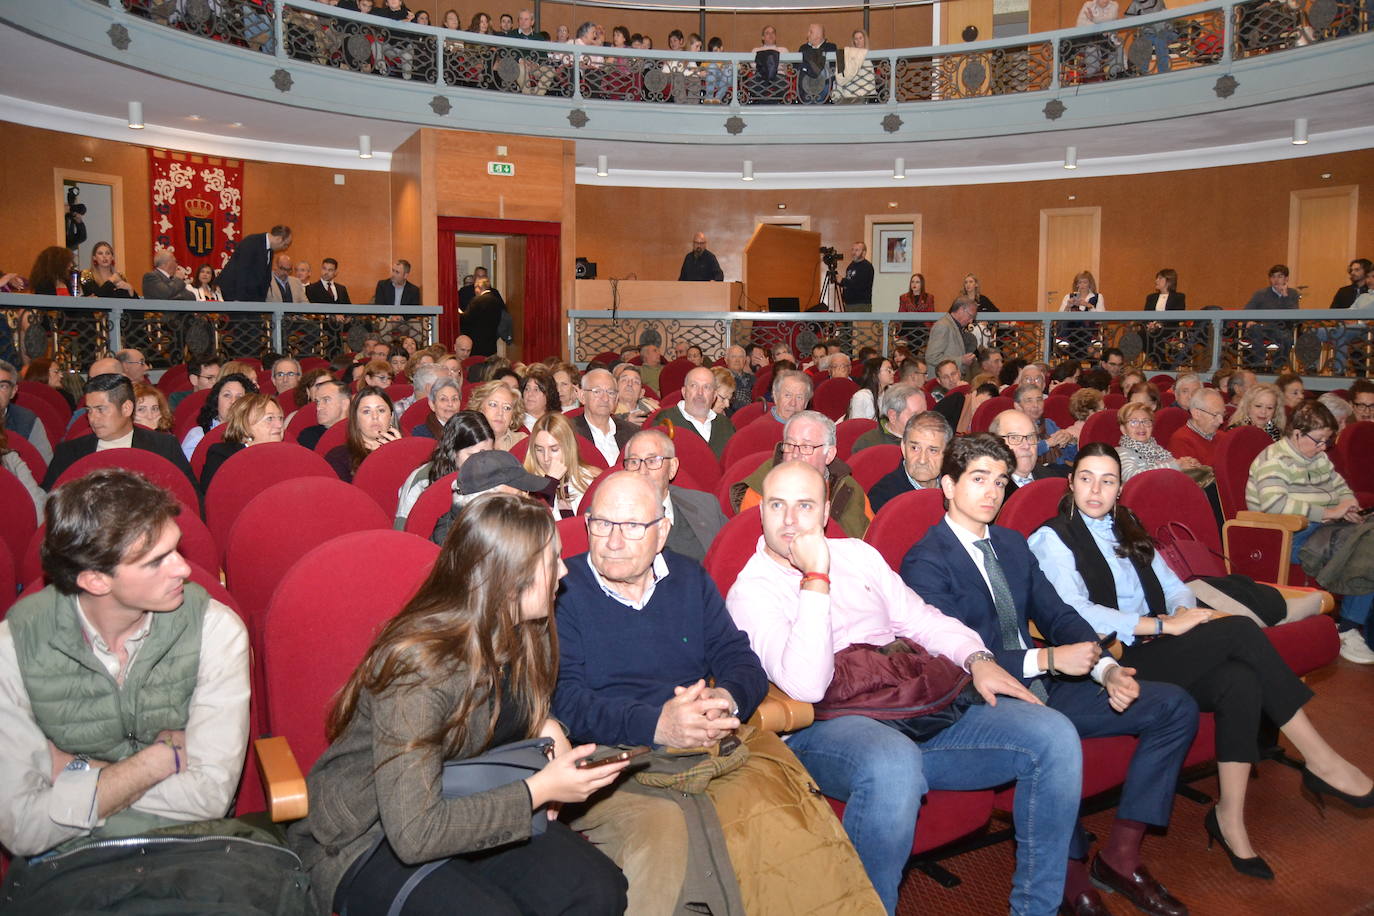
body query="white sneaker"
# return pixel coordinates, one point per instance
(1354, 649)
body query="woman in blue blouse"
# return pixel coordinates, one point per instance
(1103, 564)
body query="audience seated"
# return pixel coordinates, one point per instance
(1138, 448)
(923, 451)
(18, 419)
(737, 361)
(1258, 404)
(445, 400)
(1053, 446)
(791, 392)
(487, 470)
(539, 394)
(897, 405)
(630, 401)
(227, 389)
(695, 517)
(596, 423)
(151, 410)
(464, 436)
(553, 453)
(110, 410)
(1017, 431)
(253, 420)
(11, 461)
(502, 407)
(369, 428)
(1196, 439)
(694, 412)
(331, 406)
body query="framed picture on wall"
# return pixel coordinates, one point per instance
(894, 250)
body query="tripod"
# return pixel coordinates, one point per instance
(831, 286)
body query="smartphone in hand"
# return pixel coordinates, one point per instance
(614, 755)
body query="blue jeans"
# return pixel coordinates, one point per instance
(1355, 609)
(881, 776)
(1339, 337)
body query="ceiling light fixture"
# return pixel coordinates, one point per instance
(601, 170)
(364, 146)
(136, 116)
(1299, 131)
(1071, 157)
(1326, 176)
(782, 206)
(898, 169)
(748, 173)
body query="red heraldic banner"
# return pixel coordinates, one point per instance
(197, 206)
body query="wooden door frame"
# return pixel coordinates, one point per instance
(1351, 191)
(61, 175)
(1042, 304)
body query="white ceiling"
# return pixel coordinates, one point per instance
(53, 86)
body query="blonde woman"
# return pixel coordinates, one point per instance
(501, 405)
(253, 420)
(1085, 297)
(855, 81)
(1138, 447)
(553, 453)
(1259, 406)
(101, 279)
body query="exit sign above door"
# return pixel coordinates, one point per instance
(504, 169)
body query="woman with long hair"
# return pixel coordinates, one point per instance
(467, 665)
(973, 290)
(151, 410)
(481, 24)
(464, 436)
(49, 372)
(1102, 562)
(52, 272)
(916, 298)
(229, 388)
(553, 453)
(253, 420)
(496, 401)
(369, 428)
(539, 394)
(878, 374)
(101, 279)
(1259, 406)
(205, 285)
(1292, 390)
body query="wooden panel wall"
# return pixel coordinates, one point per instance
(349, 222)
(1048, 15)
(1219, 228)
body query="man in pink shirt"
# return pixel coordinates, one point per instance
(796, 622)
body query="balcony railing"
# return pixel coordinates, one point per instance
(78, 331)
(1136, 48)
(1310, 342)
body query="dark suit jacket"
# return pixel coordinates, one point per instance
(71, 451)
(386, 293)
(889, 487)
(157, 285)
(315, 292)
(1177, 302)
(624, 429)
(696, 517)
(942, 573)
(245, 277)
(481, 320)
(1039, 472)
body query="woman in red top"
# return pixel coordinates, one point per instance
(916, 299)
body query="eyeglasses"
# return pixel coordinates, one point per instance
(800, 448)
(1140, 421)
(286, 375)
(1032, 400)
(1017, 439)
(1210, 413)
(1362, 408)
(631, 531)
(135, 362)
(652, 462)
(1319, 443)
(381, 377)
(600, 392)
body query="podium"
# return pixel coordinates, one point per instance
(781, 262)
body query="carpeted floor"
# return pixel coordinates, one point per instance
(1322, 867)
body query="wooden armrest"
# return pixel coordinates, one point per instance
(282, 781)
(1297, 591)
(1286, 521)
(780, 713)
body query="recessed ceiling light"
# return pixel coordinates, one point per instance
(1326, 176)
(782, 206)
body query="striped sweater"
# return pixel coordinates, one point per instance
(1282, 480)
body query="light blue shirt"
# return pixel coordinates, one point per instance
(1057, 562)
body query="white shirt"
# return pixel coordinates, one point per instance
(125, 441)
(38, 814)
(1030, 666)
(703, 427)
(660, 572)
(605, 442)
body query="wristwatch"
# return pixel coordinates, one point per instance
(982, 655)
(80, 763)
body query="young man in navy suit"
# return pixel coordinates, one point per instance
(986, 576)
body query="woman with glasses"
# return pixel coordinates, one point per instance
(501, 406)
(377, 374)
(1295, 476)
(1259, 406)
(1103, 564)
(553, 453)
(253, 420)
(1138, 449)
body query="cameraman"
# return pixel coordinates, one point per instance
(857, 285)
(75, 219)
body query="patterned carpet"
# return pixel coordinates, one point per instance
(1322, 867)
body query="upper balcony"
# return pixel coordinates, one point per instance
(1200, 59)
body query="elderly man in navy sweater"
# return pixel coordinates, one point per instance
(641, 633)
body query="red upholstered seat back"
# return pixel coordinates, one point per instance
(572, 536)
(37, 466)
(202, 450)
(832, 397)
(847, 433)
(734, 473)
(248, 473)
(671, 376)
(736, 544)
(1164, 495)
(323, 618)
(151, 466)
(982, 417)
(184, 417)
(1167, 422)
(1032, 505)
(175, 378)
(903, 521)
(384, 470)
(1355, 449)
(748, 413)
(1236, 450)
(415, 414)
(873, 463)
(299, 421)
(1057, 409)
(8, 579)
(32, 391)
(1101, 427)
(81, 426)
(759, 436)
(16, 508)
(695, 457)
(436, 499)
(332, 438)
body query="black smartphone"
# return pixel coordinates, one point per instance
(614, 755)
(1107, 640)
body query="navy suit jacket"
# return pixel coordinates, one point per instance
(245, 277)
(386, 294)
(940, 570)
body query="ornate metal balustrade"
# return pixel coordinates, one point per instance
(81, 330)
(1139, 47)
(1311, 343)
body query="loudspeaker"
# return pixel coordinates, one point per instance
(586, 270)
(784, 304)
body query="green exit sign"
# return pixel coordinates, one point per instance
(504, 169)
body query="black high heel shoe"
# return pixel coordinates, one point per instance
(1253, 867)
(1318, 787)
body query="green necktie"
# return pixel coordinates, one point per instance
(1006, 609)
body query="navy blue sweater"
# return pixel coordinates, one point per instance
(618, 666)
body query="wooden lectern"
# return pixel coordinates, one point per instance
(781, 262)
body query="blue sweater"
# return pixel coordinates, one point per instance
(618, 666)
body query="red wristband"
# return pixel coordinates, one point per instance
(806, 577)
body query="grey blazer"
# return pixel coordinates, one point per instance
(157, 285)
(946, 342)
(698, 513)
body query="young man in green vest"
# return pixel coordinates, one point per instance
(123, 687)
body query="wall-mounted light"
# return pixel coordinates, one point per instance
(136, 116)
(1071, 157)
(364, 146)
(898, 169)
(1299, 131)
(1326, 176)
(601, 167)
(782, 206)
(748, 173)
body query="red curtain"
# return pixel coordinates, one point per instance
(543, 287)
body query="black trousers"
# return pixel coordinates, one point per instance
(557, 873)
(1231, 669)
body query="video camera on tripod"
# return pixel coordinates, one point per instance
(830, 286)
